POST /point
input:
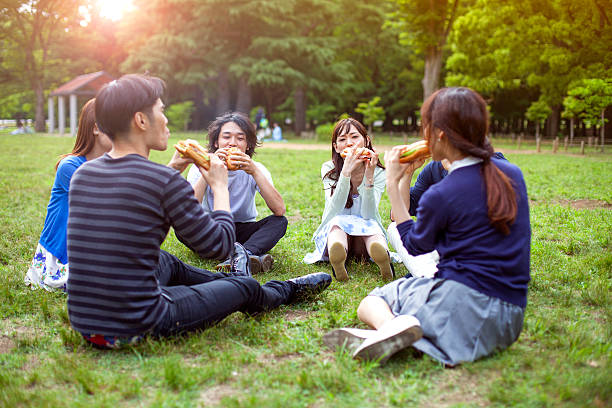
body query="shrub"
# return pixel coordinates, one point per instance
(178, 115)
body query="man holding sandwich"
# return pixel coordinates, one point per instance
(232, 137)
(122, 286)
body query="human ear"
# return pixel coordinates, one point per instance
(140, 120)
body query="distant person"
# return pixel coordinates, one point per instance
(264, 129)
(277, 133)
(121, 285)
(49, 267)
(258, 116)
(351, 225)
(20, 128)
(235, 130)
(477, 218)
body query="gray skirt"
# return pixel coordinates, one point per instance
(459, 323)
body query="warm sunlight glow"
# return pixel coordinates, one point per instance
(114, 9)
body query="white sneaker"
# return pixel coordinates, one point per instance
(393, 336)
(347, 337)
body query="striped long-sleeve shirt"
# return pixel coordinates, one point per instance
(120, 211)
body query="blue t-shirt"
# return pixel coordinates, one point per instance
(452, 218)
(53, 236)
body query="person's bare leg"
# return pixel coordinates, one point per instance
(337, 249)
(377, 249)
(374, 311)
(393, 333)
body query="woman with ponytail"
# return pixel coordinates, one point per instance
(477, 218)
(49, 266)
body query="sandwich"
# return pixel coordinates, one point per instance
(230, 164)
(193, 150)
(361, 152)
(415, 151)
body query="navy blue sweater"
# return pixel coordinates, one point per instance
(432, 173)
(452, 218)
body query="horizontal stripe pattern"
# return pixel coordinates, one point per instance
(120, 211)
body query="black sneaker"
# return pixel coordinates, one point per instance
(308, 286)
(240, 262)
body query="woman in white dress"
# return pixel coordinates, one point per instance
(351, 224)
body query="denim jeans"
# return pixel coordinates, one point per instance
(197, 298)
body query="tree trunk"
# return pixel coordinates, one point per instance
(571, 131)
(299, 97)
(39, 124)
(433, 66)
(553, 121)
(223, 93)
(243, 102)
(199, 114)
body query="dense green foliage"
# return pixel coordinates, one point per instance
(311, 60)
(561, 359)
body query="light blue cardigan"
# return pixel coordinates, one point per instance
(334, 204)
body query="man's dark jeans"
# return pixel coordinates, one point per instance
(260, 237)
(198, 298)
(257, 237)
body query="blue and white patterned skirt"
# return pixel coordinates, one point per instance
(352, 225)
(46, 271)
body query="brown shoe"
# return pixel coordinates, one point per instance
(337, 258)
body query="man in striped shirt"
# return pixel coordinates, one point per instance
(121, 285)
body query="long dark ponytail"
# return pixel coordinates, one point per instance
(462, 115)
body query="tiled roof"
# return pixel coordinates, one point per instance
(87, 84)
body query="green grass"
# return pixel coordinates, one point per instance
(277, 360)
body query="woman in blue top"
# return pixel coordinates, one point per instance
(49, 267)
(477, 218)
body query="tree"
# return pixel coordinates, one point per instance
(426, 25)
(31, 31)
(588, 99)
(371, 112)
(531, 44)
(538, 112)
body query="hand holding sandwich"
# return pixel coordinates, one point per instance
(353, 157)
(396, 169)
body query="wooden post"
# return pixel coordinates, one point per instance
(590, 141)
(603, 127)
(51, 112)
(582, 147)
(555, 144)
(538, 140)
(61, 111)
(565, 143)
(571, 131)
(73, 114)
(518, 142)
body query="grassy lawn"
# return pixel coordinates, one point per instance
(563, 357)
